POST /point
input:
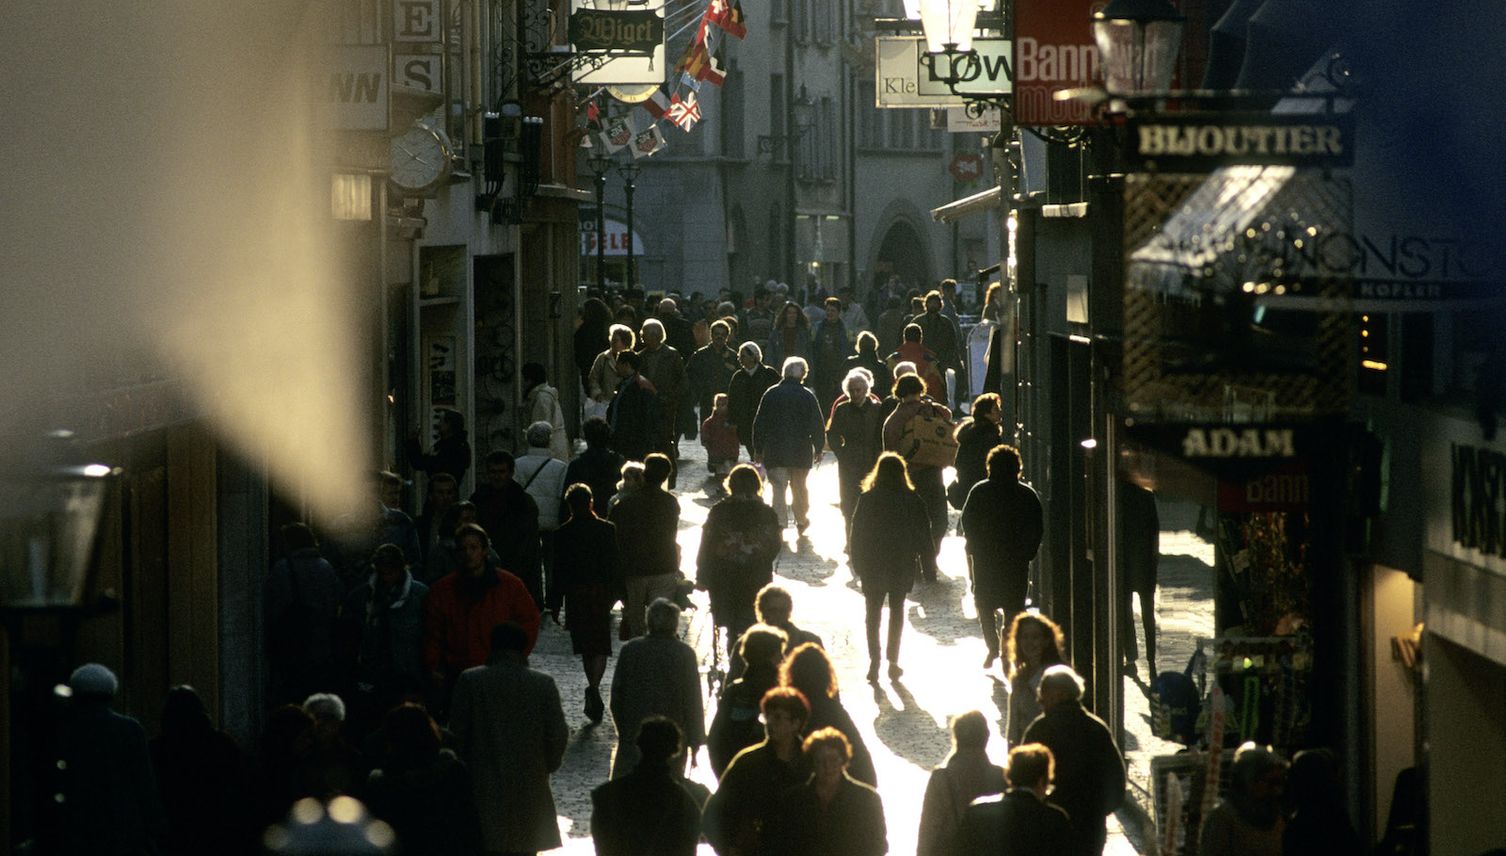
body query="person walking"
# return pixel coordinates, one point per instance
(739, 815)
(1022, 820)
(633, 414)
(542, 475)
(916, 417)
(510, 730)
(855, 434)
(1003, 525)
(664, 367)
(510, 517)
(710, 369)
(541, 404)
(867, 357)
(203, 781)
(774, 606)
(301, 604)
(648, 811)
(443, 493)
(422, 790)
(890, 541)
(382, 623)
(976, 436)
(735, 725)
(791, 336)
(739, 543)
(719, 436)
(788, 438)
(809, 670)
(966, 775)
(602, 380)
(598, 467)
(833, 814)
(593, 333)
(1139, 554)
(658, 675)
(586, 576)
(830, 346)
(464, 607)
(943, 337)
(452, 448)
(648, 521)
(745, 390)
(912, 349)
(1089, 768)
(1318, 824)
(1034, 644)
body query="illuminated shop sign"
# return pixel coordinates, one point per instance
(1201, 143)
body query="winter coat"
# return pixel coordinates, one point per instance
(942, 335)
(829, 349)
(950, 790)
(602, 380)
(634, 417)
(665, 369)
(744, 392)
(648, 521)
(543, 476)
(828, 712)
(1016, 822)
(656, 675)
(891, 532)
(510, 730)
(719, 438)
(1089, 783)
(975, 439)
(204, 783)
(108, 803)
(856, 436)
(647, 812)
(451, 455)
(788, 430)
(738, 722)
(388, 632)
(927, 365)
(599, 469)
(739, 543)
(852, 824)
(542, 404)
(747, 797)
(775, 353)
(428, 803)
(1003, 525)
(585, 554)
(883, 379)
(300, 619)
(708, 373)
(459, 615)
(511, 520)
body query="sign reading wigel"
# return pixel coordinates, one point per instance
(630, 32)
(905, 78)
(1200, 143)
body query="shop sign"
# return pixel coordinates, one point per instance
(418, 71)
(1465, 492)
(966, 120)
(626, 31)
(632, 42)
(903, 78)
(616, 239)
(416, 21)
(1259, 458)
(966, 167)
(1289, 488)
(1201, 143)
(1053, 50)
(356, 88)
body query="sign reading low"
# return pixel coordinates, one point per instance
(905, 77)
(624, 31)
(1201, 143)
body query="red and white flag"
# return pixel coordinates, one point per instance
(728, 14)
(648, 142)
(618, 133)
(657, 104)
(711, 71)
(684, 113)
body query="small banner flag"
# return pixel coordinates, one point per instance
(728, 14)
(657, 104)
(618, 134)
(648, 142)
(711, 71)
(684, 113)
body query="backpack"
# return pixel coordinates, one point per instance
(929, 434)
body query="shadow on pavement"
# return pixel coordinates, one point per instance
(804, 565)
(940, 615)
(910, 731)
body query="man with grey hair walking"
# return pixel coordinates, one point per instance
(657, 675)
(1089, 767)
(788, 437)
(746, 388)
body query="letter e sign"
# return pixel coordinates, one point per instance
(415, 21)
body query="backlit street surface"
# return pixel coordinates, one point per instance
(904, 722)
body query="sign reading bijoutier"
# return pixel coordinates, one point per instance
(904, 77)
(1199, 143)
(1053, 50)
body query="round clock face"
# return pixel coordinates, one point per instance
(418, 158)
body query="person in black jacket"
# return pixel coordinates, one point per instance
(1003, 525)
(739, 543)
(586, 578)
(867, 357)
(634, 412)
(1020, 820)
(809, 670)
(833, 814)
(976, 436)
(736, 725)
(855, 433)
(1089, 768)
(203, 779)
(745, 390)
(647, 812)
(422, 790)
(889, 542)
(452, 451)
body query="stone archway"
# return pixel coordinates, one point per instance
(902, 252)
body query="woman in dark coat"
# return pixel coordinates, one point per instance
(868, 358)
(808, 670)
(586, 579)
(976, 437)
(855, 434)
(737, 724)
(423, 791)
(833, 814)
(452, 451)
(791, 336)
(591, 336)
(739, 543)
(890, 539)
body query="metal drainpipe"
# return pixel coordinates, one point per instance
(793, 261)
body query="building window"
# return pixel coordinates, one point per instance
(731, 110)
(779, 12)
(777, 115)
(803, 13)
(824, 25)
(829, 131)
(870, 118)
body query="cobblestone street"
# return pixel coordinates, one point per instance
(904, 722)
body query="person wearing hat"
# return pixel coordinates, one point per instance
(104, 795)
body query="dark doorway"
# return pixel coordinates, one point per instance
(903, 254)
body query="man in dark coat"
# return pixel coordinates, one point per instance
(746, 388)
(833, 814)
(829, 349)
(942, 335)
(647, 520)
(1020, 820)
(598, 467)
(633, 414)
(664, 366)
(452, 448)
(1139, 553)
(711, 368)
(648, 812)
(107, 799)
(788, 437)
(855, 434)
(740, 812)
(1002, 522)
(511, 520)
(1089, 767)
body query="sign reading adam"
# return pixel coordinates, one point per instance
(637, 32)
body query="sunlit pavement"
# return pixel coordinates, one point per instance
(903, 722)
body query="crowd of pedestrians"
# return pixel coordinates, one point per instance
(398, 651)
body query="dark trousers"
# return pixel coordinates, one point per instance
(875, 603)
(999, 592)
(932, 492)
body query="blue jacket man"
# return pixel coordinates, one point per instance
(788, 436)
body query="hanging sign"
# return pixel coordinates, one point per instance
(1199, 143)
(906, 78)
(1053, 50)
(631, 44)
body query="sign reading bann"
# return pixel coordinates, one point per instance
(1479, 498)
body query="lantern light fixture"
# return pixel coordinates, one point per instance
(1138, 42)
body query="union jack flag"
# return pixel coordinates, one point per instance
(684, 113)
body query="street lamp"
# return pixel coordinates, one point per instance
(801, 119)
(629, 173)
(948, 27)
(1138, 41)
(600, 164)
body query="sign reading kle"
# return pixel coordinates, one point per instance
(628, 32)
(1201, 143)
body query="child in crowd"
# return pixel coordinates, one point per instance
(719, 438)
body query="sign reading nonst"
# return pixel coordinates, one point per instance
(1197, 144)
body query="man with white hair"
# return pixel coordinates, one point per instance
(656, 675)
(542, 475)
(664, 367)
(788, 437)
(746, 388)
(1089, 768)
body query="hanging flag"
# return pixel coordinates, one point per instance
(694, 58)
(728, 14)
(684, 113)
(593, 113)
(648, 142)
(657, 104)
(618, 134)
(712, 71)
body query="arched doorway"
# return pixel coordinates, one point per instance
(902, 253)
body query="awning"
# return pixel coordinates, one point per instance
(977, 203)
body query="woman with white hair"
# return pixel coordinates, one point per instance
(751, 380)
(855, 434)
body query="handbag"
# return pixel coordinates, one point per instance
(928, 435)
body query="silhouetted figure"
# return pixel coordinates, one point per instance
(286, 745)
(1003, 524)
(333, 766)
(1089, 768)
(738, 814)
(735, 726)
(1139, 554)
(657, 675)
(1033, 644)
(648, 812)
(966, 775)
(890, 543)
(422, 790)
(739, 543)
(203, 780)
(1319, 821)
(1248, 822)
(586, 577)
(1022, 820)
(302, 600)
(452, 449)
(833, 814)
(808, 670)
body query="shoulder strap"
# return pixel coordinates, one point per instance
(535, 474)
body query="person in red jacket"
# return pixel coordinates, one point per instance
(464, 605)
